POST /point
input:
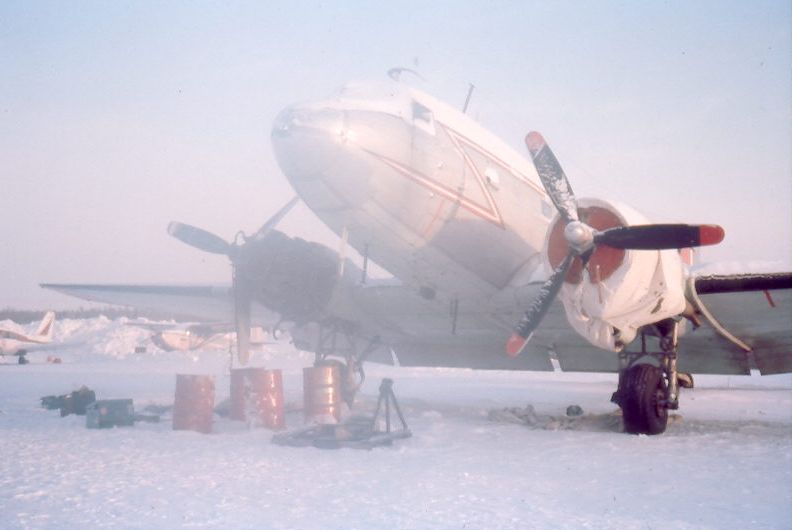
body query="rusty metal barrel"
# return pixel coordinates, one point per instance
(193, 405)
(322, 393)
(257, 395)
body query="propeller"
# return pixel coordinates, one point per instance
(199, 238)
(237, 253)
(583, 239)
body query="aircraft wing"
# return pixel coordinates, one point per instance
(757, 308)
(201, 302)
(457, 333)
(748, 323)
(202, 328)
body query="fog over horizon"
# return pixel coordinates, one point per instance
(116, 119)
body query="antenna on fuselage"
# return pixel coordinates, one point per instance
(471, 88)
(395, 73)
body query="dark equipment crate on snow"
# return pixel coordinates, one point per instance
(107, 413)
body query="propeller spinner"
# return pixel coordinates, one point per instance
(582, 239)
(209, 242)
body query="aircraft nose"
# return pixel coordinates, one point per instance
(316, 150)
(301, 119)
(304, 137)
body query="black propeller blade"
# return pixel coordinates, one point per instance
(532, 317)
(660, 236)
(199, 238)
(583, 239)
(273, 221)
(553, 177)
(241, 292)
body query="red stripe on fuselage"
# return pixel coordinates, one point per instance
(488, 212)
(440, 189)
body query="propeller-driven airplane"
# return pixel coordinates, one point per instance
(469, 228)
(14, 341)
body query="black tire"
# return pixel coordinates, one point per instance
(642, 396)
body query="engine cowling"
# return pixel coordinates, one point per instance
(291, 276)
(619, 291)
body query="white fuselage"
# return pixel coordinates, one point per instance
(419, 187)
(12, 346)
(448, 208)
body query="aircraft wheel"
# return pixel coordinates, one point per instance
(642, 402)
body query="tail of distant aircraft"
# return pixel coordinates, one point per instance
(45, 329)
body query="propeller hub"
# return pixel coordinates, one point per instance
(580, 236)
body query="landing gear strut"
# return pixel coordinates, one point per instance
(336, 339)
(647, 391)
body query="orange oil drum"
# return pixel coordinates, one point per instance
(322, 393)
(193, 406)
(257, 394)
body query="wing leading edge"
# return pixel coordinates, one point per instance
(201, 302)
(750, 323)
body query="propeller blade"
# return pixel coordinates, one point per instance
(198, 238)
(531, 319)
(553, 178)
(242, 317)
(273, 221)
(660, 236)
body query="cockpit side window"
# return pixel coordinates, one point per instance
(423, 117)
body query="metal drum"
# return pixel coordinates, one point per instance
(257, 394)
(193, 406)
(322, 393)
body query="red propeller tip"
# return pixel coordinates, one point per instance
(534, 141)
(711, 234)
(515, 345)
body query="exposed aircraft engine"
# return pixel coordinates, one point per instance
(618, 290)
(292, 276)
(636, 278)
(288, 275)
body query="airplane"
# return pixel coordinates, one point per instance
(474, 234)
(196, 335)
(13, 341)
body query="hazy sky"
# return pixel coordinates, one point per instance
(117, 117)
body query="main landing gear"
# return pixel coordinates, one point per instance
(336, 339)
(649, 383)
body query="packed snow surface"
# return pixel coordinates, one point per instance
(725, 461)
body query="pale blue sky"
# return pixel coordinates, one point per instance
(117, 117)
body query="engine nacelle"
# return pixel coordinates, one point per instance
(619, 290)
(291, 276)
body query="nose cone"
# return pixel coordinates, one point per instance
(302, 137)
(314, 117)
(317, 152)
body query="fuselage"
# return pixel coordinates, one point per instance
(16, 342)
(419, 187)
(11, 346)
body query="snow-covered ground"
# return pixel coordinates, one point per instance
(725, 462)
